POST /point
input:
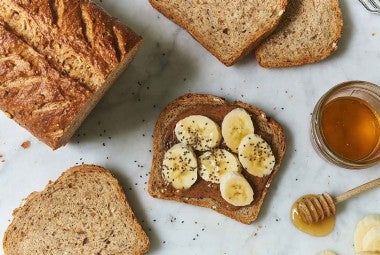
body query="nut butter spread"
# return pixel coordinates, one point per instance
(204, 189)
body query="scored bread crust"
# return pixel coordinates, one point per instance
(20, 213)
(322, 53)
(240, 51)
(78, 43)
(264, 124)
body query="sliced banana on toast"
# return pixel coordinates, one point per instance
(235, 126)
(366, 239)
(199, 132)
(235, 189)
(256, 155)
(179, 166)
(215, 164)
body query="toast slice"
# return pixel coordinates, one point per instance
(199, 194)
(84, 212)
(309, 32)
(228, 29)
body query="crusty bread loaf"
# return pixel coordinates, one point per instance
(215, 108)
(228, 29)
(36, 95)
(309, 32)
(85, 211)
(76, 38)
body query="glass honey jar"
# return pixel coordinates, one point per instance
(345, 125)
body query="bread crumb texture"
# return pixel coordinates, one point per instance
(228, 29)
(84, 212)
(309, 32)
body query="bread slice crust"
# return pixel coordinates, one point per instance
(215, 108)
(255, 23)
(17, 239)
(294, 43)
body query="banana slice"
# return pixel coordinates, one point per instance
(215, 164)
(235, 126)
(235, 189)
(371, 240)
(363, 226)
(327, 253)
(198, 131)
(179, 166)
(256, 156)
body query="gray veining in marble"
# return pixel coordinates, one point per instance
(118, 136)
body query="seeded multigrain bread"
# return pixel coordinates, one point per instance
(78, 43)
(200, 194)
(228, 29)
(309, 32)
(85, 211)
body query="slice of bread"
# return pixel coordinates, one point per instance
(309, 32)
(228, 29)
(84, 212)
(199, 194)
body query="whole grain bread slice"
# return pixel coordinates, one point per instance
(215, 108)
(228, 29)
(309, 32)
(85, 211)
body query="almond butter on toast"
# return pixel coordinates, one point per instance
(85, 211)
(309, 32)
(204, 193)
(228, 29)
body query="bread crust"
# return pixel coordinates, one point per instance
(326, 52)
(252, 42)
(266, 125)
(59, 48)
(34, 196)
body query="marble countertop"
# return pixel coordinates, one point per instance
(118, 136)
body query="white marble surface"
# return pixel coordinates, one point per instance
(170, 64)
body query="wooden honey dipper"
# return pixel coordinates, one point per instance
(319, 207)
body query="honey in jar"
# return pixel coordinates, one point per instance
(350, 128)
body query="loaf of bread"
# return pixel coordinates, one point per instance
(215, 108)
(85, 211)
(228, 29)
(309, 32)
(76, 42)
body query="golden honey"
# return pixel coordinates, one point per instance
(350, 128)
(321, 228)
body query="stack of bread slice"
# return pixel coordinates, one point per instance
(307, 30)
